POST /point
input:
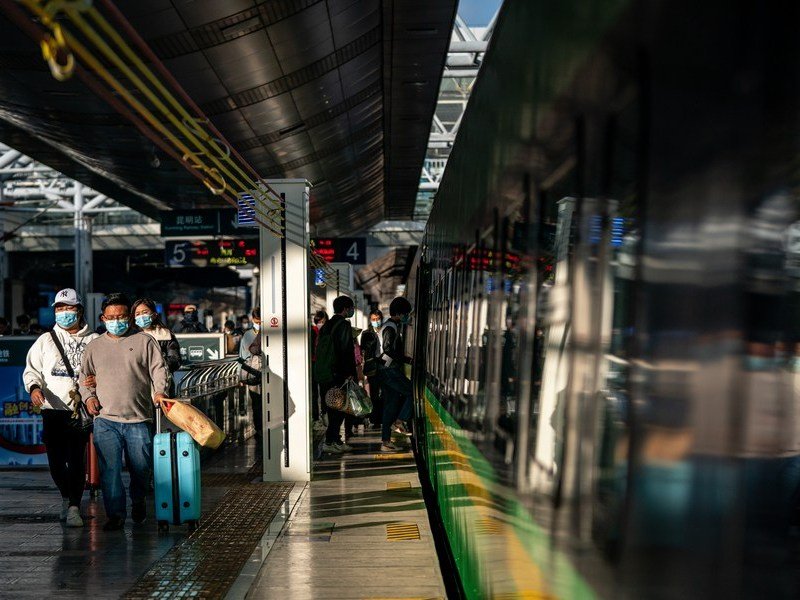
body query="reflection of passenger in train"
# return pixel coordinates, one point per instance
(506, 420)
(53, 388)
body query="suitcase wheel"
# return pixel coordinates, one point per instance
(191, 526)
(163, 526)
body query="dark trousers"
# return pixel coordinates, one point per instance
(397, 397)
(377, 401)
(254, 391)
(66, 454)
(316, 400)
(336, 418)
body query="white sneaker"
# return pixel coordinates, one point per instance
(345, 447)
(74, 517)
(331, 448)
(64, 507)
(361, 429)
(389, 447)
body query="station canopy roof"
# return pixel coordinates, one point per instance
(340, 92)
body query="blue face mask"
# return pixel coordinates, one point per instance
(405, 319)
(116, 327)
(144, 321)
(376, 323)
(67, 318)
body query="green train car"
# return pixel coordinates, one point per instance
(607, 355)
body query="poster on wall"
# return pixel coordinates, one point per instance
(20, 422)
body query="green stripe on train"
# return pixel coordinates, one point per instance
(469, 495)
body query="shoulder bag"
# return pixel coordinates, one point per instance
(81, 420)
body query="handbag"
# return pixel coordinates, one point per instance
(80, 420)
(358, 402)
(336, 398)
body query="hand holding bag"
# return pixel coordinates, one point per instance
(81, 421)
(358, 402)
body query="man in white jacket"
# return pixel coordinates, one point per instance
(49, 383)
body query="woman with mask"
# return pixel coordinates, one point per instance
(149, 321)
(371, 351)
(53, 386)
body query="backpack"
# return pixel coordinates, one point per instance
(325, 364)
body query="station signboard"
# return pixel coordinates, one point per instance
(210, 253)
(341, 250)
(201, 347)
(199, 222)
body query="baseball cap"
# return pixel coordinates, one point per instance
(67, 296)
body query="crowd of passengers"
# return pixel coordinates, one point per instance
(122, 372)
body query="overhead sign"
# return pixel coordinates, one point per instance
(200, 347)
(344, 250)
(213, 253)
(198, 222)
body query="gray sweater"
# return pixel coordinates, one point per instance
(129, 371)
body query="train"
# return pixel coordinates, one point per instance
(607, 338)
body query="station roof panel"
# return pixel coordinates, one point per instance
(341, 92)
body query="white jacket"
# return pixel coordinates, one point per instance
(45, 367)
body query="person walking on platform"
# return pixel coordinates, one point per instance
(52, 384)
(191, 322)
(320, 318)
(251, 344)
(371, 350)
(336, 364)
(149, 321)
(396, 387)
(130, 376)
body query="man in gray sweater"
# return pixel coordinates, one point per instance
(125, 376)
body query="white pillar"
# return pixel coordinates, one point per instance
(83, 246)
(283, 275)
(3, 263)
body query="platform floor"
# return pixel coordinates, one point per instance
(359, 530)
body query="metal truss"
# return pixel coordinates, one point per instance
(467, 48)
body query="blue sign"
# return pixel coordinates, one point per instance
(246, 216)
(20, 422)
(319, 277)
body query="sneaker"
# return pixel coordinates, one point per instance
(114, 524)
(388, 447)
(64, 509)
(345, 447)
(399, 427)
(331, 448)
(361, 429)
(139, 512)
(74, 517)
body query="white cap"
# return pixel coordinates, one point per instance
(68, 296)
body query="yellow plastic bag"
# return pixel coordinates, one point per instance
(202, 429)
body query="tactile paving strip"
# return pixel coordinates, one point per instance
(398, 532)
(206, 563)
(398, 485)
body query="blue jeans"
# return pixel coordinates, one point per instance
(135, 440)
(397, 397)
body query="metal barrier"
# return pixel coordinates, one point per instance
(213, 387)
(207, 378)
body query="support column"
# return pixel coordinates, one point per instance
(84, 276)
(3, 261)
(286, 386)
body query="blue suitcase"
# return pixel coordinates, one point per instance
(176, 473)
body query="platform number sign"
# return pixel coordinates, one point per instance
(346, 250)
